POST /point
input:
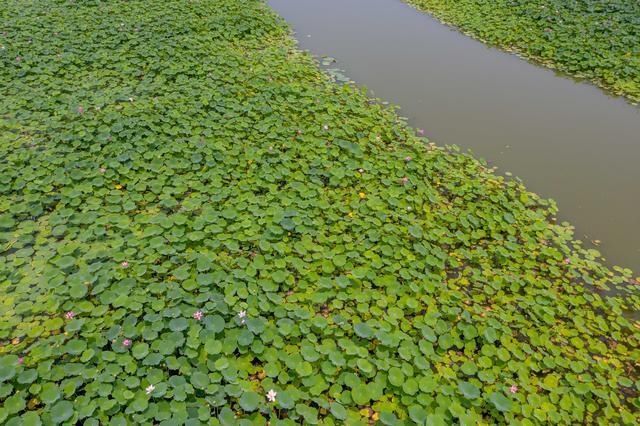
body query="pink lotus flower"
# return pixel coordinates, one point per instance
(69, 315)
(125, 264)
(21, 360)
(567, 261)
(407, 158)
(198, 315)
(513, 389)
(271, 395)
(404, 180)
(80, 109)
(126, 343)
(420, 132)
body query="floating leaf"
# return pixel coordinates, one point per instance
(250, 401)
(396, 376)
(61, 411)
(501, 402)
(363, 330)
(178, 324)
(338, 411)
(469, 390)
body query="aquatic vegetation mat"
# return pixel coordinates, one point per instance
(197, 225)
(598, 40)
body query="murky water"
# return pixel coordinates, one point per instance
(567, 140)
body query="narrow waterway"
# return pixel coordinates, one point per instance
(567, 140)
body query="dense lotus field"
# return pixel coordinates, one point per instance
(198, 226)
(598, 40)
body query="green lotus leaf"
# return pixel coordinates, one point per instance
(490, 334)
(365, 366)
(501, 402)
(285, 400)
(199, 380)
(415, 231)
(65, 262)
(309, 414)
(76, 347)
(360, 394)
(8, 364)
(49, 393)
(417, 414)
(139, 404)
(256, 325)
(469, 390)
(6, 221)
(140, 350)
(212, 345)
(285, 326)
(216, 323)
(445, 341)
(396, 376)
(31, 418)
(338, 411)
(363, 330)
(14, 404)
(388, 418)
(250, 401)
(178, 324)
(28, 376)
(469, 368)
(221, 363)
(61, 411)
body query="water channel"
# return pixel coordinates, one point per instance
(566, 140)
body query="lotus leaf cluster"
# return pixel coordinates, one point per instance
(197, 226)
(597, 40)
